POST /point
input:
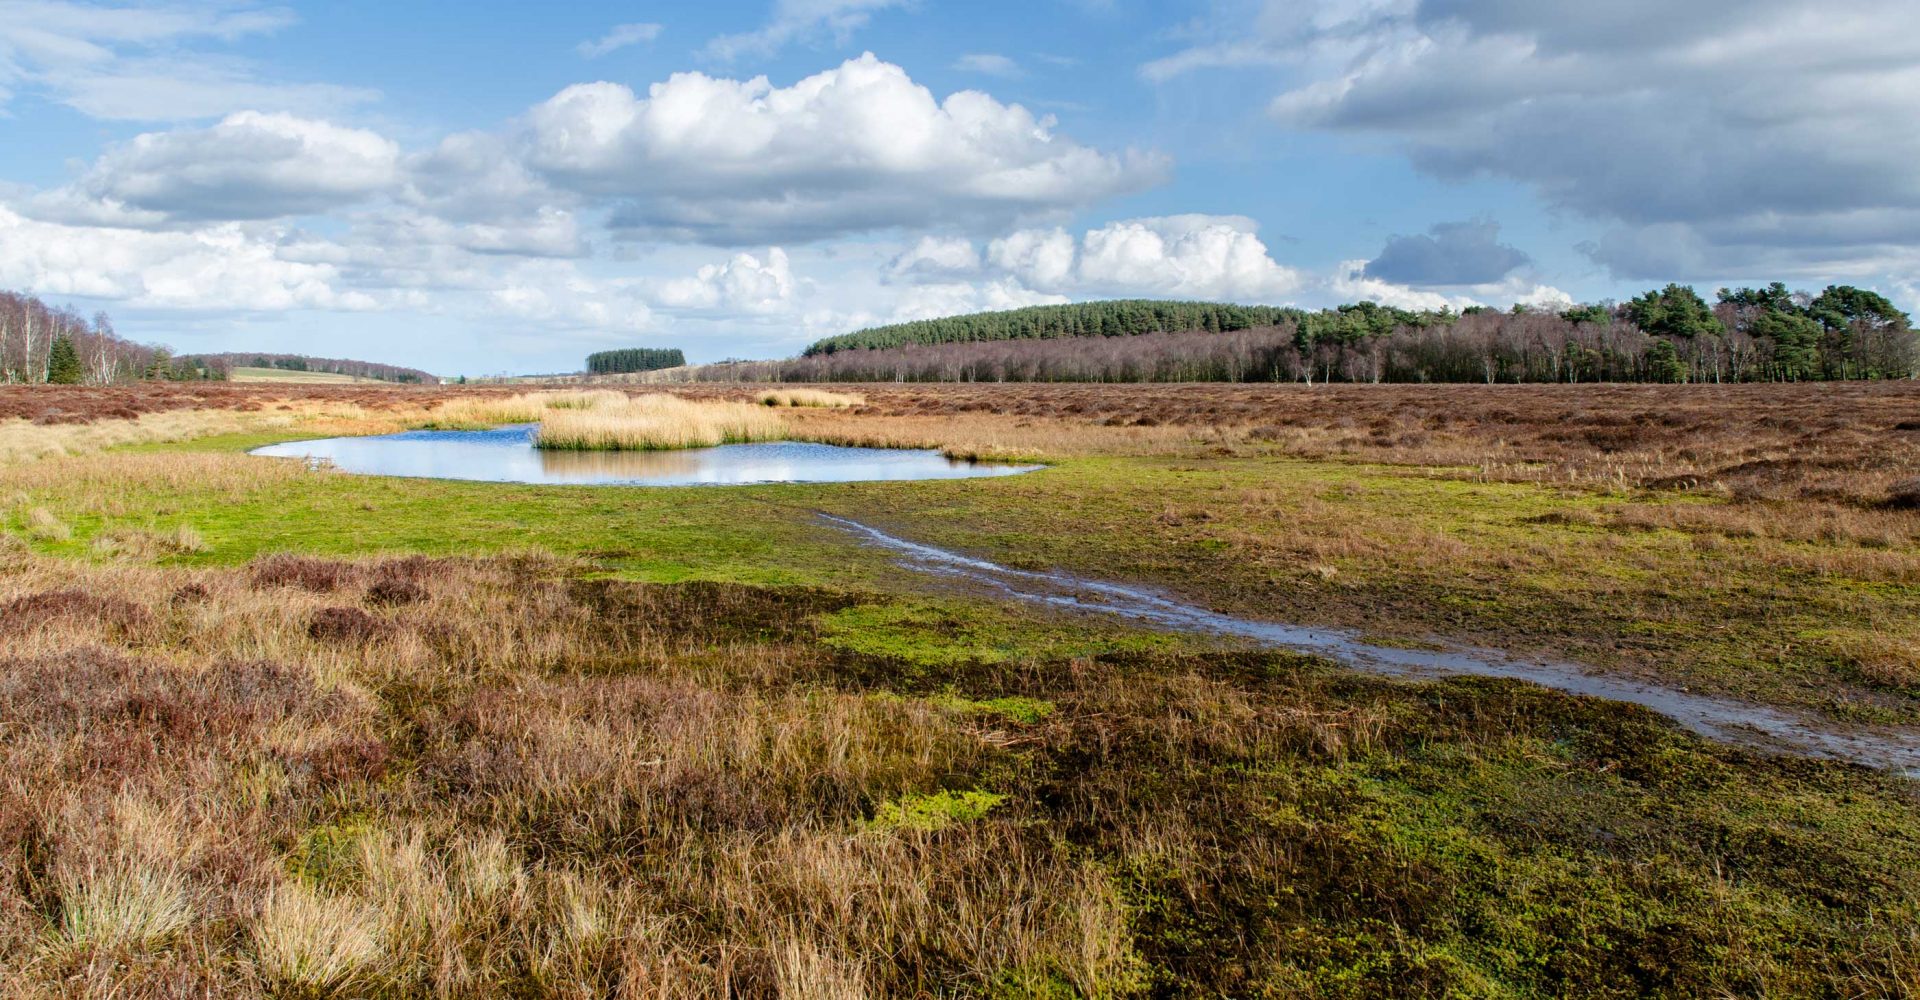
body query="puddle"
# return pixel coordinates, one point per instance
(507, 455)
(1716, 718)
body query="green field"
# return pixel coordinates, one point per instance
(249, 374)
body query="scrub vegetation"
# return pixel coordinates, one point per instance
(275, 731)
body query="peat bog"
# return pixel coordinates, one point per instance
(278, 731)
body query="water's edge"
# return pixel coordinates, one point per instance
(1716, 718)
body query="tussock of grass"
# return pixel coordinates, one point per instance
(123, 906)
(141, 543)
(811, 397)
(44, 525)
(658, 422)
(315, 941)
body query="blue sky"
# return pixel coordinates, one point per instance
(491, 187)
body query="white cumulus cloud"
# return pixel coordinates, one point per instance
(217, 268)
(248, 166)
(856, 148)
(745, 283)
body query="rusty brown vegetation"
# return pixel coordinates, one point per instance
(395, 775)
(524, 782)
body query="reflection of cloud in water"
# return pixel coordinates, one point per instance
(507, 455)
(617, 465)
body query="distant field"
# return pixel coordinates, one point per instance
(282, 375)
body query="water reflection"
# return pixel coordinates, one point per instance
(507, 455)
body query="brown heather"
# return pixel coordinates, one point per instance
(412, 777)
(267, 792)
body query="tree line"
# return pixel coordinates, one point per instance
(307, 363)
(634, 359)
(40, 343)
(1114, 318)
(1669, 334)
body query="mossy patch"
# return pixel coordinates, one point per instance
(946, 633)
(928, 813)
(1014, 708)
(329, 854)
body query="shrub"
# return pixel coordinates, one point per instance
(318, 575)
(394, 592)
(346, 626)
(36, 610)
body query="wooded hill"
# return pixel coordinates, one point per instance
(1666, 335)
(1117, 318)
(305, 363)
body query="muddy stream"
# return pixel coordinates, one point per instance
(1775, 729)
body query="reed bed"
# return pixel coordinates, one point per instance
(811, 397)
(657, 422)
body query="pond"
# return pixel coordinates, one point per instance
(507, 455)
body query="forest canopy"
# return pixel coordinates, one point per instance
(1669, 334)
(634, 359)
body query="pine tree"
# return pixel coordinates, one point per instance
(63, 363)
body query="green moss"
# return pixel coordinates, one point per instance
(1026, 711)
(329, 854)
(946, 633)
(937, 811)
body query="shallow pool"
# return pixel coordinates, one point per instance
(507, 455)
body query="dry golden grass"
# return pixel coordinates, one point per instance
(21, 441)
(810, 397)
(243, 814)
(657, 422)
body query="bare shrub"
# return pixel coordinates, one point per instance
(346, 626)
(394, 592)
(321, 576)
(39, 610)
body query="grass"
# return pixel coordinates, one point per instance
(810, 397)
(273, 731)
(657, 422)
(248, 374)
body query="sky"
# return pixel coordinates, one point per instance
(485, 188)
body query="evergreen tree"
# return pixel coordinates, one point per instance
(1673, 311)
(1664, 364)
(63, 363)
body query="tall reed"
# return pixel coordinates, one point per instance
(655, 422)
(811, 397)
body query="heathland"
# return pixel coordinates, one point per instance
(269, 729)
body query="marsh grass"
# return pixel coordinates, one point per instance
(658, 422)
(532, 783)
(810, 397)
(521, 778)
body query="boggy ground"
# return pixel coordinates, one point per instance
(474, 739)
(491, 776)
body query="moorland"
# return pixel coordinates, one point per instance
(269, 729)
